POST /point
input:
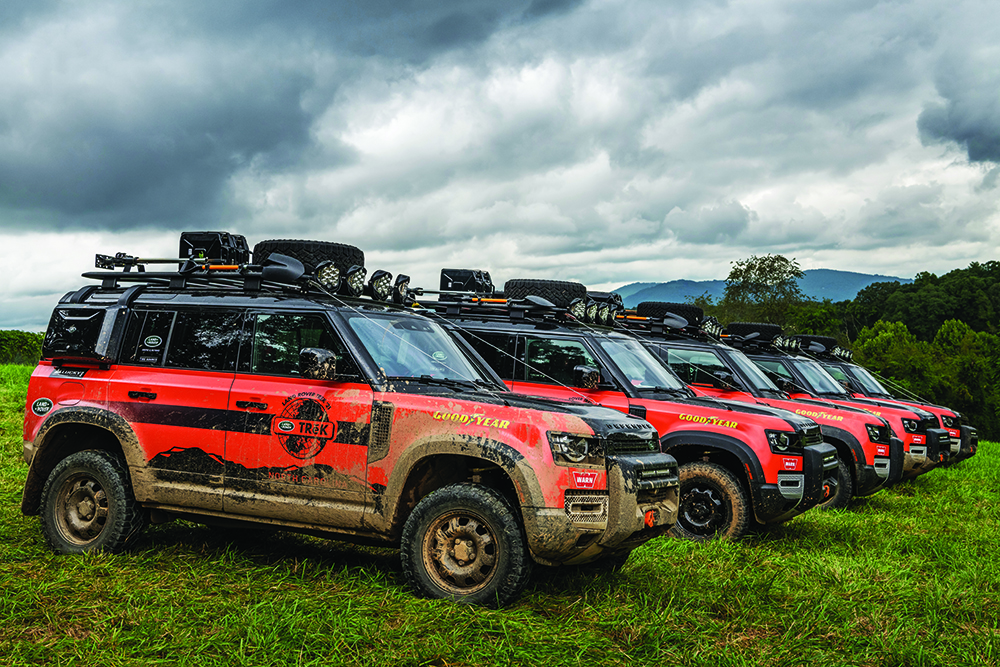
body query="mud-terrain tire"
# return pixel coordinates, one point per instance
(464, 543)
(559, 292)
(766, 331)
(656, 309)
(311, 253)
(845, 488)
(88, 504)
(713, 504)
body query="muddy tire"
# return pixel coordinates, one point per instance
(311, 253)
(844, 493)
(464, 543)
(766, 331)
(657, 309)
(713, 504)
(88, 505)
(559, 292)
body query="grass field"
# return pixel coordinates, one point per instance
(910, 576)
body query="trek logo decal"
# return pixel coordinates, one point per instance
(820, 415)
(303, 426)
(792, 463)
(42, 406)
(478, 420)
(714, 421)
(585, 480)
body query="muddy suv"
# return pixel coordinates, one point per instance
(963, 440)
(276, 394)
(741, 465)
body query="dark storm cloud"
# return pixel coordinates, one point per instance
(970, 114)
(119, 115)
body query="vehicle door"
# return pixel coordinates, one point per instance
(298, 447)
(700, 370)
(172, 387)
(547, 366)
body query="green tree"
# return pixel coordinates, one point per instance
(764, 289)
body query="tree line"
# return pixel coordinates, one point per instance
(938, 337)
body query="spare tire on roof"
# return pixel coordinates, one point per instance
(826, 341)
(559, 292)
(657, 309)
(766, 331)
(311, 253)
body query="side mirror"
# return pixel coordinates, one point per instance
(586, 377)
(725, 378)
(316, 363)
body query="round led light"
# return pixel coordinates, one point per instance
(401, 290)
(603, 312)
(578, 308)
(380, 285)
(591, 311)
(329, 275)
(354, 281)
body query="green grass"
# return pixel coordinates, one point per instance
(909, 577)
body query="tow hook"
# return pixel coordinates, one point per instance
(827, 491)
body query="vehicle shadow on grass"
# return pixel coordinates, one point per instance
(268, 547)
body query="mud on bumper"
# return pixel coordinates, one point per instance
(640, 503)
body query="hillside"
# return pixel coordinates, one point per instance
(818, 284)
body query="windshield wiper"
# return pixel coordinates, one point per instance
(665, 390)
(451, 383)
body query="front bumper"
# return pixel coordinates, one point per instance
(924, 458)
(797, 491)
(640, 503)
(968, 445)
(884, 471)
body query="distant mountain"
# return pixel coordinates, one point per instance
(818, 284)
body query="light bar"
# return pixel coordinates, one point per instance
(380, 285)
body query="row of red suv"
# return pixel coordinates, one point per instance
(480, 432)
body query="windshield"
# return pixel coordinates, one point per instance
(406, 346)
(643, 370)
(867, 380)
(752, 372)
(819, 380)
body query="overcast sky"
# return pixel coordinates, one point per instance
(602, 141)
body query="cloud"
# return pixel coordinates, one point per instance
(604, 141)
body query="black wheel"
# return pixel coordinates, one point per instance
(464, 543)
(713, 504)
(655, 309)
(559, 292)
(88, 505)
(766, 331)
(311, 253)
(842, 495)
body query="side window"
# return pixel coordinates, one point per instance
(694, 366)
(551, 361)
(278, 338)
(775, 367)
(146, 337)
(203, 339)
(496, 348)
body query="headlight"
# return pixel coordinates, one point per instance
(572, 449)
(950, 421)
(877, 433)
(911, 425)
(781, 442)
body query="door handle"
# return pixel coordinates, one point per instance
(251, 404)
(148, 395)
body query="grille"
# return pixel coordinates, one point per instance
(378, 436)
(928, 423)
(586, 507)
(629, 443)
